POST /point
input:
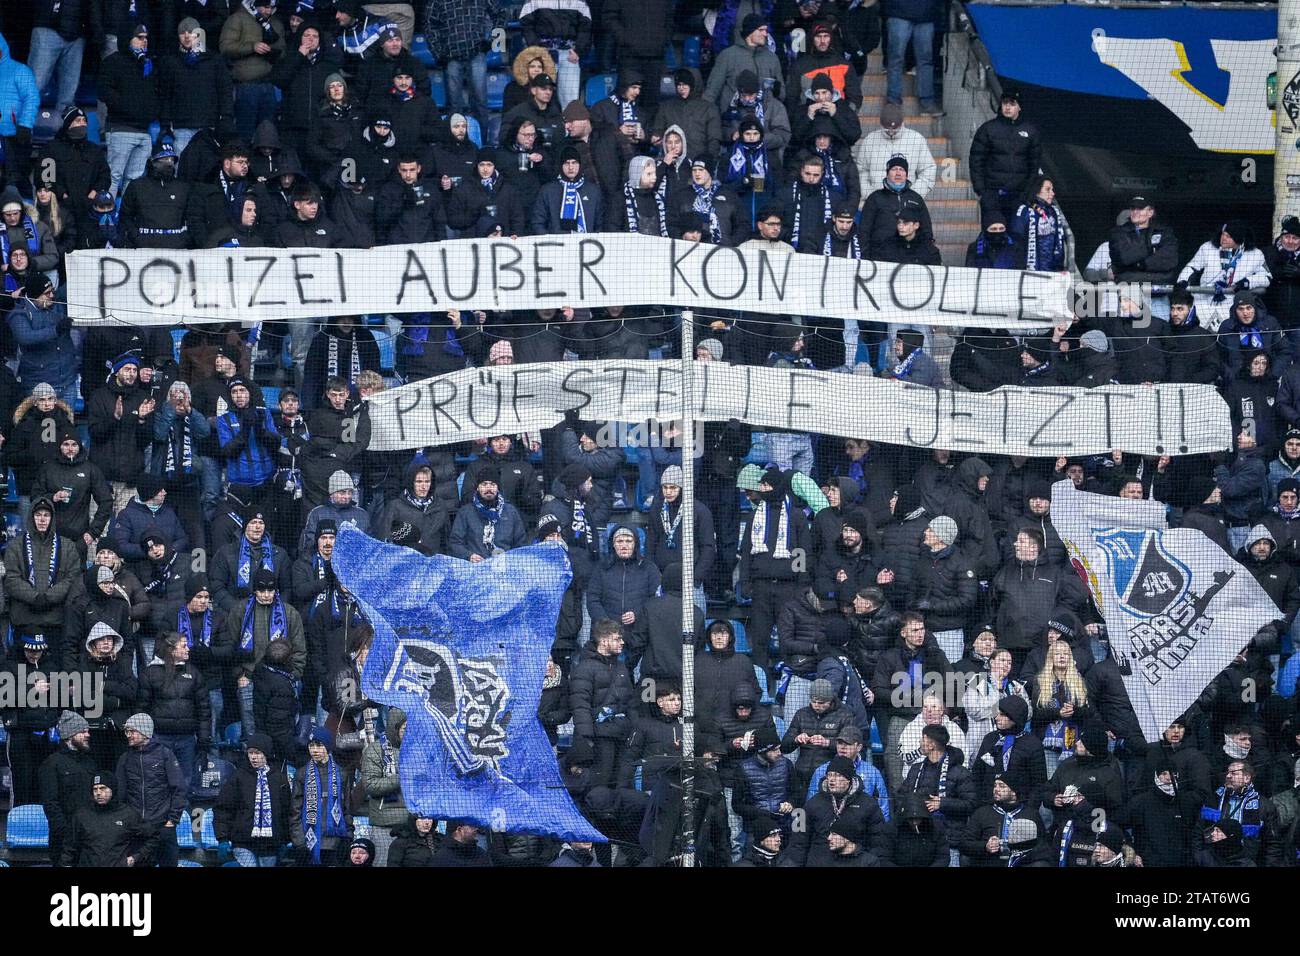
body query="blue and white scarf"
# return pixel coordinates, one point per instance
(29, 231)
(747, 160)
(186, 630)
(832, 177)
(904, 368)
(1042, 221)
(581, 527)
(54, 556)
(490, 518)
(245, 573)
(736, 110)
(633, 219)
(322, 807)
(571, 204)
(262, 825)
(186, 441)
(627, 110)
(670, 526)
(784, 530)
(798, 209)
(278, 630)
(1251, 338)
(703, 204)
(322, 568)
(855, 245)
(145, 60)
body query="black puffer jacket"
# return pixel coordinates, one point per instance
(178, 706)
(1005, 154)
(966, 506)
(808, 721)
(873, 635)
(622, 585)
(895, 661)
(1026, 593)
(655, 744)
(597, 682)
(410, 848)
(801, 630)
(149, 780)
(39, 606)
(946, 590)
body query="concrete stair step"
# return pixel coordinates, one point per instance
(950, 189)
(877, 82)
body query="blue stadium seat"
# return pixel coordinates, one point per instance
(207, 834)
(271, 395)
(438, 89)
(185, 833)
(761, 676)
(877, 746)
(742, 638)
(26, 826)
(11, 487)
(475, 131)
(190, 863)
(4, 734)
(92, 126)
(420, 50)
(496, 89)
(599, 87)
(670, 57)
(387, 350)
(691, 52)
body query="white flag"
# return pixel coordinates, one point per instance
(1177, 609)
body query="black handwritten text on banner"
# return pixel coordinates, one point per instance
(164, 287)
(478, 403)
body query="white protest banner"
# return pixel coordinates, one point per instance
(1177, 608)
(165, 287)
(478, 403)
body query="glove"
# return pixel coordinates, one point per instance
(23, 136)
(1241, 284)
(582, 753)
(65, 325)
(1220, 288)
(1181, 284)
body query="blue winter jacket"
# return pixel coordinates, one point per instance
(251, 455)
(19, 96)
(48, 354)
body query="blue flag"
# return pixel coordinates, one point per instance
(462, 649)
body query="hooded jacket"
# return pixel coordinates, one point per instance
(118, 674)
(429, 516)
(27, 449)
(35, 602)
(697, 117)
(622, 584)
(47, 351)
(1236, 338)
(77, 167)
(1274, 574)
(1164, 826)
(301, 80)
(104, 836)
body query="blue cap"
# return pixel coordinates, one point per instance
(35, 642)
(164, 150)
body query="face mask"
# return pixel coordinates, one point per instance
(152, 507)
(77, 133)
(1234, 749)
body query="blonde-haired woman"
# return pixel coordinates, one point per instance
(1060, 701)
(530, 62)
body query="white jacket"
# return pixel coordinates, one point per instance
(909, 743)
(874, 150)
(1251, 267)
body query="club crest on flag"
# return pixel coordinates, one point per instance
(1145, 578)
